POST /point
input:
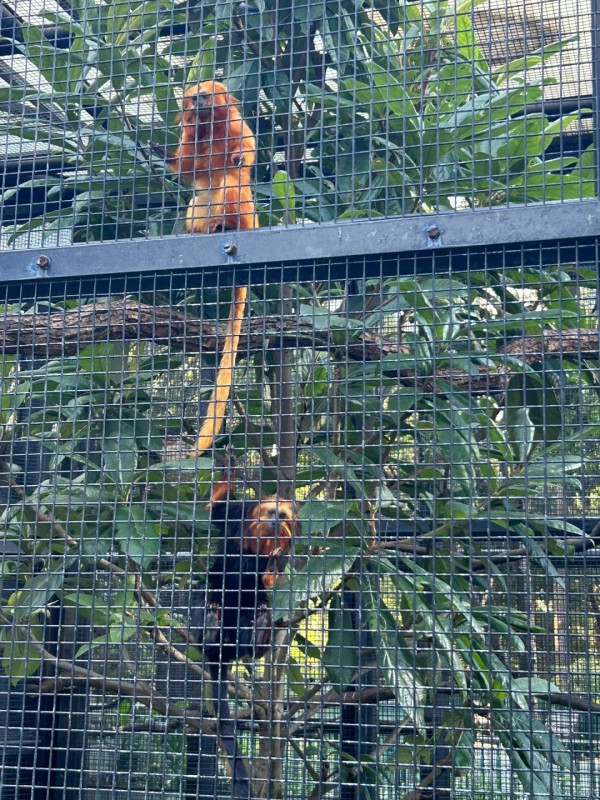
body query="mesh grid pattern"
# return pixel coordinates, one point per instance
(360, 110)
(381, 579)
(435, 416)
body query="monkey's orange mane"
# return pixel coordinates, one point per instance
(260, 538)
(214, 138)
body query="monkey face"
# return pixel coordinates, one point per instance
(271, 524)
(270, 532)
(207, 100)
(275, 518)
(200, 102)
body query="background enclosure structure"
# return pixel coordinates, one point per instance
(422, 376)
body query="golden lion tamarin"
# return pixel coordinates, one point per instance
(228, 205)
(216, 153)
(214, 138)
(234, 621)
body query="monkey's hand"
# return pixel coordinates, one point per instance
(262, 627)
(212, 624)
(229, 462)
(278, 558)
(206, 624)
(275, 559)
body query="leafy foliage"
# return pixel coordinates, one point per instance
(488, 444)
(361, 109)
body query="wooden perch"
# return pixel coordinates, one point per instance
(59, 335)
(56, 335)
(572, 343)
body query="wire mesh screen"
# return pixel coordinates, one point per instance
(380, 579)
(347, 110)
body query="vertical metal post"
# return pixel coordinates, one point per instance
(595, 14)
(201, 749)
(25, 721)
(359, 721)
(70, 717)
(440, 708)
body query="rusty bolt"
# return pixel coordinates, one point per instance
(230, 249)
(43, 262)
(434, 232)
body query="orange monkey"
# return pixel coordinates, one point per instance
(214, 138)
(216, 154)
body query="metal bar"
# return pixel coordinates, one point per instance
(274, 246)
(595, 57)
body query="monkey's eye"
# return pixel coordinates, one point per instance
(200, 100)
(274, 513)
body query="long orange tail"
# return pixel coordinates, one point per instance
(215, 413)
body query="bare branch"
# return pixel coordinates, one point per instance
(55, 335)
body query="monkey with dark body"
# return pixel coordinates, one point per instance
(257, 540)
(216, 154)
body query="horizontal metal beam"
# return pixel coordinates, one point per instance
(293, 245)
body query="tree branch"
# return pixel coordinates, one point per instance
(55, 335)
(140, 691)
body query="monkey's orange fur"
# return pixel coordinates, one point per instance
(215, 413)
(216, 154)
(214, 139)
(226, 206)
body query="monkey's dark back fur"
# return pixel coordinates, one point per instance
(236, 622)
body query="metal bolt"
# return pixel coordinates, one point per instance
(43, 262)
(434, 232)
(230, 249)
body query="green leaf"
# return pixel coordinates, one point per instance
(340, 657)
(283, 190)
(553, 468)
(541, 555)
(38, 591)
(318, 516)
(328, 457)
(394, 658)
(320, 575)
(531, 60)
(19, 659)
(116, 634)
(402, 401)
(139, 537)
(467, 43)
(537, 686)
(119, 451)
(521, 433)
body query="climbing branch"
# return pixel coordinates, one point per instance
(58, 335)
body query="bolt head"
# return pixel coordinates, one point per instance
(43, 262)
(434, 231)
(230, 249)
